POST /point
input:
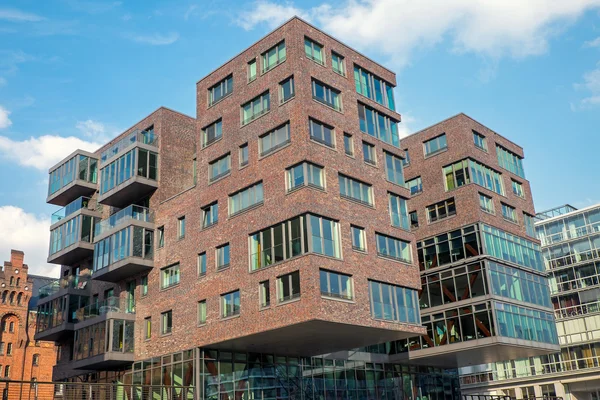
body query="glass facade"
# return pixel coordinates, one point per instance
(78, 167)
(133, 241)
(570, 227)
(136, 162)
(394, 303)
(456, 284)
(469, 171)
(525, 323)
(78, 229)
(91, 340)
(508, 247)
(378, 125)
(519, 285)
(510, 161)
(374, 87)
(449, 247)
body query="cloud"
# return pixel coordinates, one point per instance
(5, 122)
(44, 151)
(155, 39)
(2, 81)
(592, 43)
(29, 233)
(190, 11)
(591, 84)
(90, 128)
(14, 15)
(405, 126)
(401, 28)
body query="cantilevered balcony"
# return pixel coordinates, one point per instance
(131, 215)
(72, 232)
(73, 285)
(56, 317)
(129, 169)
(75, 176)
(104, 337)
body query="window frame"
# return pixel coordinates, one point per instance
(308, 173)
(147, 328)
(181, 227)
(332, 97)
(201, 312)
(348, 145)
(223, 83)
(166, 322)
(391, 175)
(313, 123)
(272, 149)
(243, 159)
(224, 304)
(516, 184)
(264, 56)
(403, 219)
(341, 62)
(252, 191)
(313, 44)
(264, 294)
(509, 213)
(174, 277)
(362, 236)
(446, 205)
(427, 152)
(214, 212)
(329, 274)
(222, 257)
(218, 128)
(264, 100)
(349, 187)
(480, 141)
(485, 201)
(252, 78)
(281, 281)
(201, 264)
(218, 162)
(397, 244)
(282, 98)
(419, 185)
(369, 149)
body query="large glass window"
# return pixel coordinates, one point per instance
(378, 125)
(220, 90)
(314, 51)
(78, 167)
(222, 256)
(142, 162)
(369, 153)
(212, 133)
(336, 285)
(398, 211)
(453, 285)
(305, 174)
(338, 64)
(356, 190)
(322, 133)
(374, 87)
(390, 247)
(510, 161)
(274, 139)
(480, 141)
(467, 171)
(324, 236)
(393, 169)
(133, 241)
(256, 107)
(415, 185)
(230, 304)
(525, 323)
(486, 203)
(286, 90)
(210, 215)
(435, 145)
(529, 221)
(441, 210)
(508, 247)
(169, 276)
(509, 213)
(326, 95)
(219, 168)
(288, 287)
(246, 198)
(393, 303)
(449, 247)
(519, 285)
(274, 56)
(517, 188)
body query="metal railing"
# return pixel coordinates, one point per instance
(79, 282)
(574, 311)
(111, 304)
(133, 211)
(573, 284)
(145, 137)
(27, 390)
(571, 259)
(570, 233)
(72, 207)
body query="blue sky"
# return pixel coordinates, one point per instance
(74, 74)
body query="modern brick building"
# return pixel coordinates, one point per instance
(263, 249)
(21, 357)
(570, 245)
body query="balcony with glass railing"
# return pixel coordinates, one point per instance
(572, 259)
(72, 235)
(76, 285)
(146, 137)
(576, 311)
(112, 304)
(75, 176)
(81, 203)
(132, 214)
(56, 317)
(570, 233)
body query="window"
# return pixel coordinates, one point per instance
(435, 145)
(288, 287)
(1, 348)
(264, 294)
(324, 236)
(243, 155)
(7, 372)
(486, 203)
(359, 239)
(348, 144)
(274, 140)
(414, 219)
(256, 107)
(505, 246)
(467, 171)
(517, 188)
(322, 133)
(314, 51)
(36, 360)
(147, 328)
(374, 87)
(510, 161)
(378, 125)
(529, 225)
(336, 285)
(415, 185)
(11, 327)
(305, 174)
(369, 153)
(480, 141)
(351, 188)
(201, 312)
(230, 304)
(210, 215)
(160, 231)
(166, 322)
(202, 264)
(338, 64)
(406, 159)
(252, 70)
(144, 284)
(220, 90)
(286, 90)
(509, 213)
(393, 248)
(326, 95)
(274, 56)
(393, 168)
(170, 276)
(222, 256)
(219, 168)
(398, 211)
(9, 349)
(180, 227)
(393, 303)
(441, 210)
(246, 198)
(212, 133)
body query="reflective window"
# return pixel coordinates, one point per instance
(467, 171)
(529, 225)
(369, 153)
(322, 133)
(519, 285)
(393, 169)
(390, 247)
(230, 304)
(202, 264)
(252, 70)
(348, 144)
(338, 64)
(441, 210)
(327, 95)
(169, 276)
(201, 312)
(393, 303)
(220, 90)
(166, 322)
(378, 125)
(264, 293)
(243, 155)
(508, 247)
(286, 90)
(314, 51)
(517, 188)
(351, 188)
(180, 227)
(274, 140)
(212, 133)
(273, 57)
(480, 140)
(222, 256)
(288, 287)
(305, 174)
(435, 145)
(449, 247)
(415, 185)
(486, 203)
(246, 198)
(210, 215)
(525, 323)
(373, 87)
(398, 211)
(336, 285)
(453, 285)
(219, 168)
(510, 161)
(256, 107)
(359, 239)
(509, 213)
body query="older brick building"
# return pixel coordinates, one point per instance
(21, 357)
(231, 251)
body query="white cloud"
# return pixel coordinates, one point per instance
(5, 122)
(400, 28)
(44, 151)
(405, 126)
(591, 84)
(2, 81)
(155, 39)
(190, 11)
(29, 233)
(14, 15)
(90, 128)
(592, 43)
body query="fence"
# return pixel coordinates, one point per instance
(21, 390)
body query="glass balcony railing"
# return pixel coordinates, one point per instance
(72, 207)
(574, 284)
(578, 310)
(572, 233)
(111, 304)
(134, 212)
(571, 259)
(80, 282)
(145, 137)
(79, 167)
